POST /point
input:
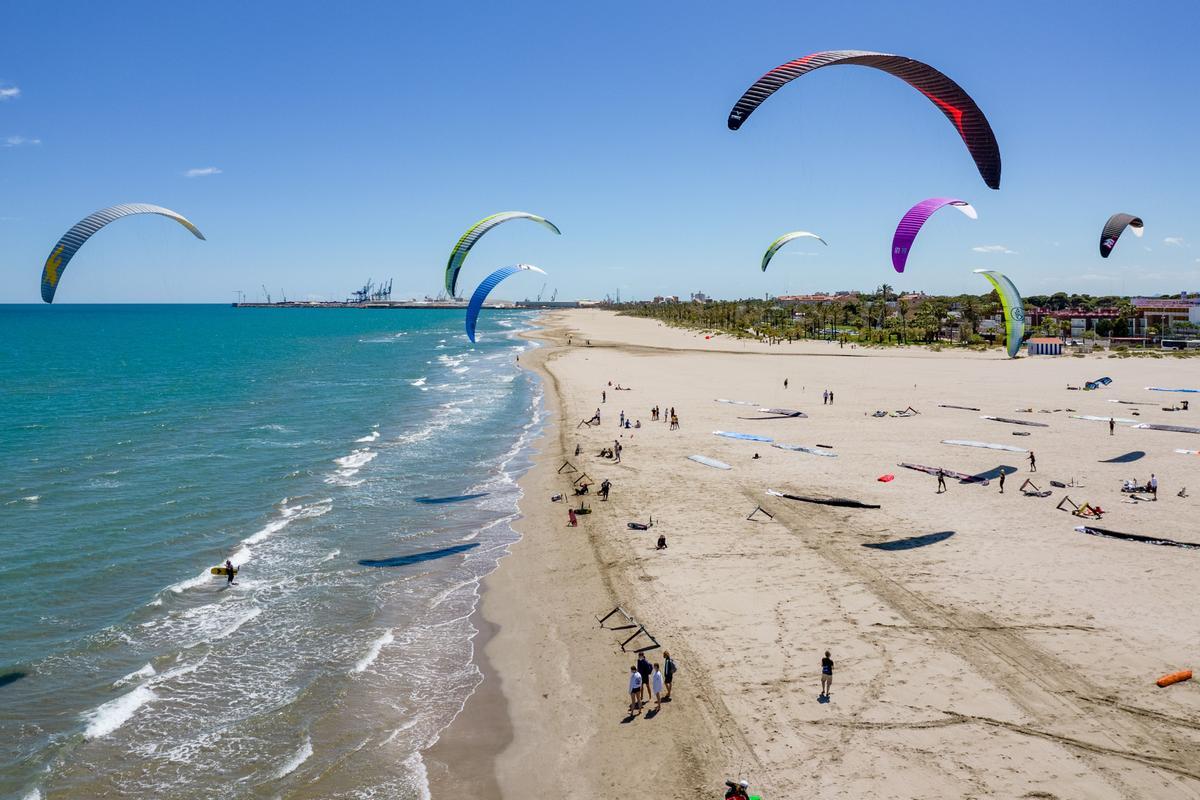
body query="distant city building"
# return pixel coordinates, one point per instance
(699, 297)
(1164, 313)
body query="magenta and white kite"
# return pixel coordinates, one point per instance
(911, 224)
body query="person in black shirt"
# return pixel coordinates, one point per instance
(826, 674)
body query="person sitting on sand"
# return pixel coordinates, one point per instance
(637, 424)
(662, 542)
(582, 489)
(756, 455)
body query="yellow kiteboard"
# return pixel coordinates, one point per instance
(222, 571)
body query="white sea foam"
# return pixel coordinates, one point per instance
(106, 718)
(298, 758)
(133, 677)
(460, 370)
(370, 437)
(241, 620)
(418, 382)
(34, 794)
(356, 460)
(373, 651)
(330, 557)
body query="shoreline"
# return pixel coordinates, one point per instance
(1004, 656)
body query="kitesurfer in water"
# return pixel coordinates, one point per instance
(229, 572)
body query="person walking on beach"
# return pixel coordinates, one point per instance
(1002, 481)
(230, 571)
(826, 675)
(1153, 486)
(604, 487)
(1112, 424)
(825, 397)
(785, 383)
(616, 452)
(603, 396)
(669, 669)
(635, 690)
(644, 669)
(941, 475)
(572, 520)
(621, 423)
(656, 687)
(1032, 462)
(830, 397)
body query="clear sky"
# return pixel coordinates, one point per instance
(340, 142)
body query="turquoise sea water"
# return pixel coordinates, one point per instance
(141, 445)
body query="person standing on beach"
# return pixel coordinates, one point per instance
(830, 397)
(826, 674)
(603, 396)
(1002, 481)
(656, 686)
(1112, 424)
(644, 669)
(572, 520)
(668, 671)
(941, 481)
(825, 397)
(785, 383)
(1153, 486)
(1032, 462)
(635, 690)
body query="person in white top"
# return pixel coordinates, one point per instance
(656, 686)
(635, 690)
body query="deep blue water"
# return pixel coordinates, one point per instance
(141, 445)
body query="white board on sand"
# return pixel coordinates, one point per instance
(1188, 452)
(988, 445)
(799, 448)
(710, 462)
(736, 402)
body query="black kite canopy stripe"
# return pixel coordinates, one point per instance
(947, 95)
(1116, 224)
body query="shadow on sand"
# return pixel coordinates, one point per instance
(417, 558)
(912, 542)
(1132, 455)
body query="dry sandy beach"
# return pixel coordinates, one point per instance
(1012, 658)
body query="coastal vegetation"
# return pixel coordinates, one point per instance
(887, 318)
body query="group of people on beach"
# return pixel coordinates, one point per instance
(663, 415)
(650, 681)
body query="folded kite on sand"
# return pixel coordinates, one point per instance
(1174, 677)
(825, 501)
(1173, 428)
(1118, 420)
(799, 448)
(961, 477)
(710, 462)
(1017, 421)
(1134, 537)
(736, 402)
(962, 408)
(746, 437)
(988, 445)
(1160, 389)
(1181, 452)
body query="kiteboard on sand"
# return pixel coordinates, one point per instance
(799, 448)
(961, 477)
(710, 462)
(746, 437)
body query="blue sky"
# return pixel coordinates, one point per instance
(360, 142)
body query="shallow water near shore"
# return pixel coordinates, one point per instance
(144, 444)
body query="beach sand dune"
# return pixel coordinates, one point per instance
(1006, 656)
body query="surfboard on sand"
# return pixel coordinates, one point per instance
(710, 462)
(222, 571)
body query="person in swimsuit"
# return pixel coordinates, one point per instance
(826, 674)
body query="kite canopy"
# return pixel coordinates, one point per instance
(459, 254)
(782, 240)
(1014, 309)
(1113, 229)
(947, 95)
(484, 289)
(83, 230)
(911, 222)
